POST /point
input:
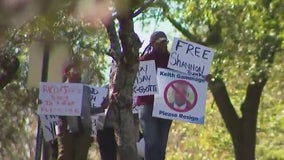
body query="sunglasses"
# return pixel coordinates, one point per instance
(163, 41)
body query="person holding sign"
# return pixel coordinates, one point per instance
(74, 137)
(155, 130)
(106, 138)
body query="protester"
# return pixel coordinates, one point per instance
(74, 137)
(106, 138)
(155, 130)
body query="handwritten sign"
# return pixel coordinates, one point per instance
(190, 58)
(97, 95)
(146, 80)
(60, 98)
(180, 97)
(48, 123)
(94, 126)
(98, 121)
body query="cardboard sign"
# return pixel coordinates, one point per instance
(63, 99)
(190, 58)
(146, 80)
(180, 97)
(98, 121)
(48, 123)
(94, 126)
(97, 95)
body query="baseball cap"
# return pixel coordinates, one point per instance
(157, 37)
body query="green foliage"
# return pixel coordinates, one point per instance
(246, 28)
(17, 122)
(247, 37)
(271, 116)
(18, 117)
(212, 141)
(87, 42)
(208, 141)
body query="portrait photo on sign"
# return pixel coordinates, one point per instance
(180, 95)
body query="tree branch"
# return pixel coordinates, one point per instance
(142, 8)
(225, 106)
(115, 48)
(138, 11)
(184, 31)
(130, 41)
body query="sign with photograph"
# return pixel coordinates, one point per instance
(180, 97)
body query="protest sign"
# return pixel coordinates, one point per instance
(48, 123)
(180, 97)
(146, 79)
(190, 58)
(94, 126)
(60, 98)
(98, 94)
(135, 107)
(98, 121)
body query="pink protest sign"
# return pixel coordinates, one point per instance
(63, 99)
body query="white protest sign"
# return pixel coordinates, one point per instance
(94, 126)
(48, 123)
(98, 121)
(180, 97)
(60, 98)
(97, 95)
(190, 58)
(146, 79)
(135, 107)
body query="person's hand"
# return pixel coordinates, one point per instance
(38, 101)
(208, 77)
(105, 103)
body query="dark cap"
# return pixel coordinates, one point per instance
(158, 36)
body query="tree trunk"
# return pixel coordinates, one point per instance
(123, 74)
(120, 112)
(242, 129)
